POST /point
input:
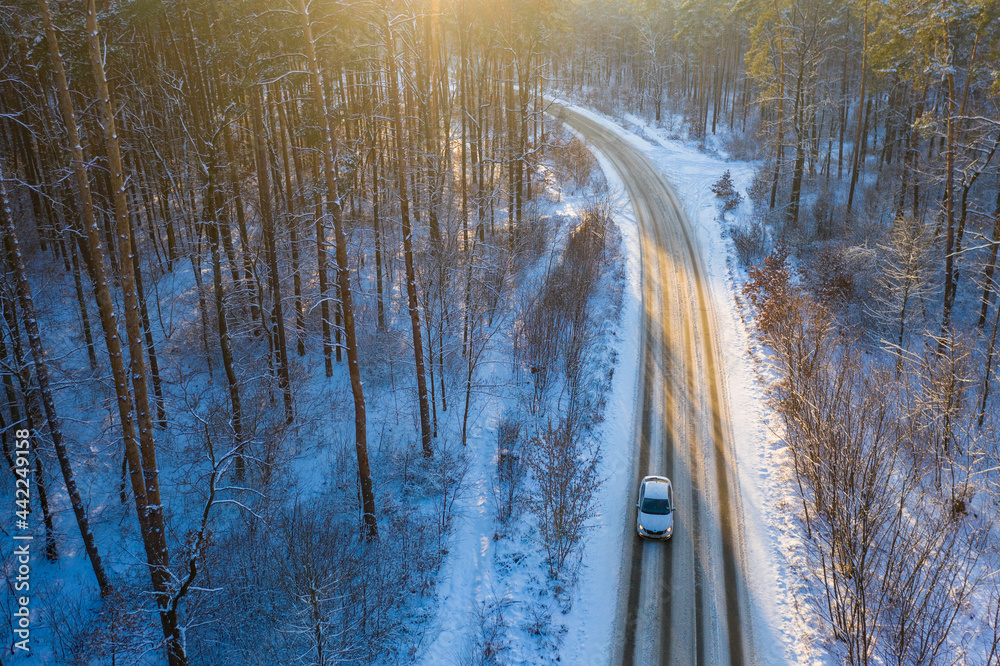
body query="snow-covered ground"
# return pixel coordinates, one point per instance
(493, 591)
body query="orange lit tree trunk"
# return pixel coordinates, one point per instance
(328, 149)
(137, 365)
(404, 212)
(148, 509)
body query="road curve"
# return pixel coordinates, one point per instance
(683, 601)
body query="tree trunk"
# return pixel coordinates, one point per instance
(797, 172)
(343, 278)
(212, 196)
(137, 365)
(990, 265)
(858, 152)
(989, 367)
(88, 335)
(963, 215)
(949, 211)
(324, 287)
(32, 412)
(404, 208)
(264, 185)
(780, 138)
(285, 133)
(377, 227)
(147, 330)
(842, 126)
(241, 228)
(101, 289)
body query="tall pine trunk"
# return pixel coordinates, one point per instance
(147, 508)
(990, 265)
(404, 212)
(137, 362)
(858, 150)
(343, 279)
(271, 252)
(949, 211)
(284, 134)
(212, 197)
(779, 147)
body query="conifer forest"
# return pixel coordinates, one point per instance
(499, 332)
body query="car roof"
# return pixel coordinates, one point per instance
(657, 487)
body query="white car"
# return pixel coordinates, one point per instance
(656, 508)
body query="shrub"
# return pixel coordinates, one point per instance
(822, 212)
(750, 239)
(575, 162)
(828, 277)
(742, 145)
(725, 189)
(303, 583)
(506, 485)
(491, 642)
(557, 323)
(760, 188)
(770, 291)
(564, 469)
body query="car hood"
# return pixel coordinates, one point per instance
(656, 523)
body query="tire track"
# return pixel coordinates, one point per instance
(635, 570)
(719, 431)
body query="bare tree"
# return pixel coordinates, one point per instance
(903, 279)
(563, 467)
(895, 563)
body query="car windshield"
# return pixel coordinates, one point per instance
(657, 507)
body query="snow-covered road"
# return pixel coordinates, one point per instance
(684, 601)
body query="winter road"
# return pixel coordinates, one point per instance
(682, 601)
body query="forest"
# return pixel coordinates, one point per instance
(271, 270)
